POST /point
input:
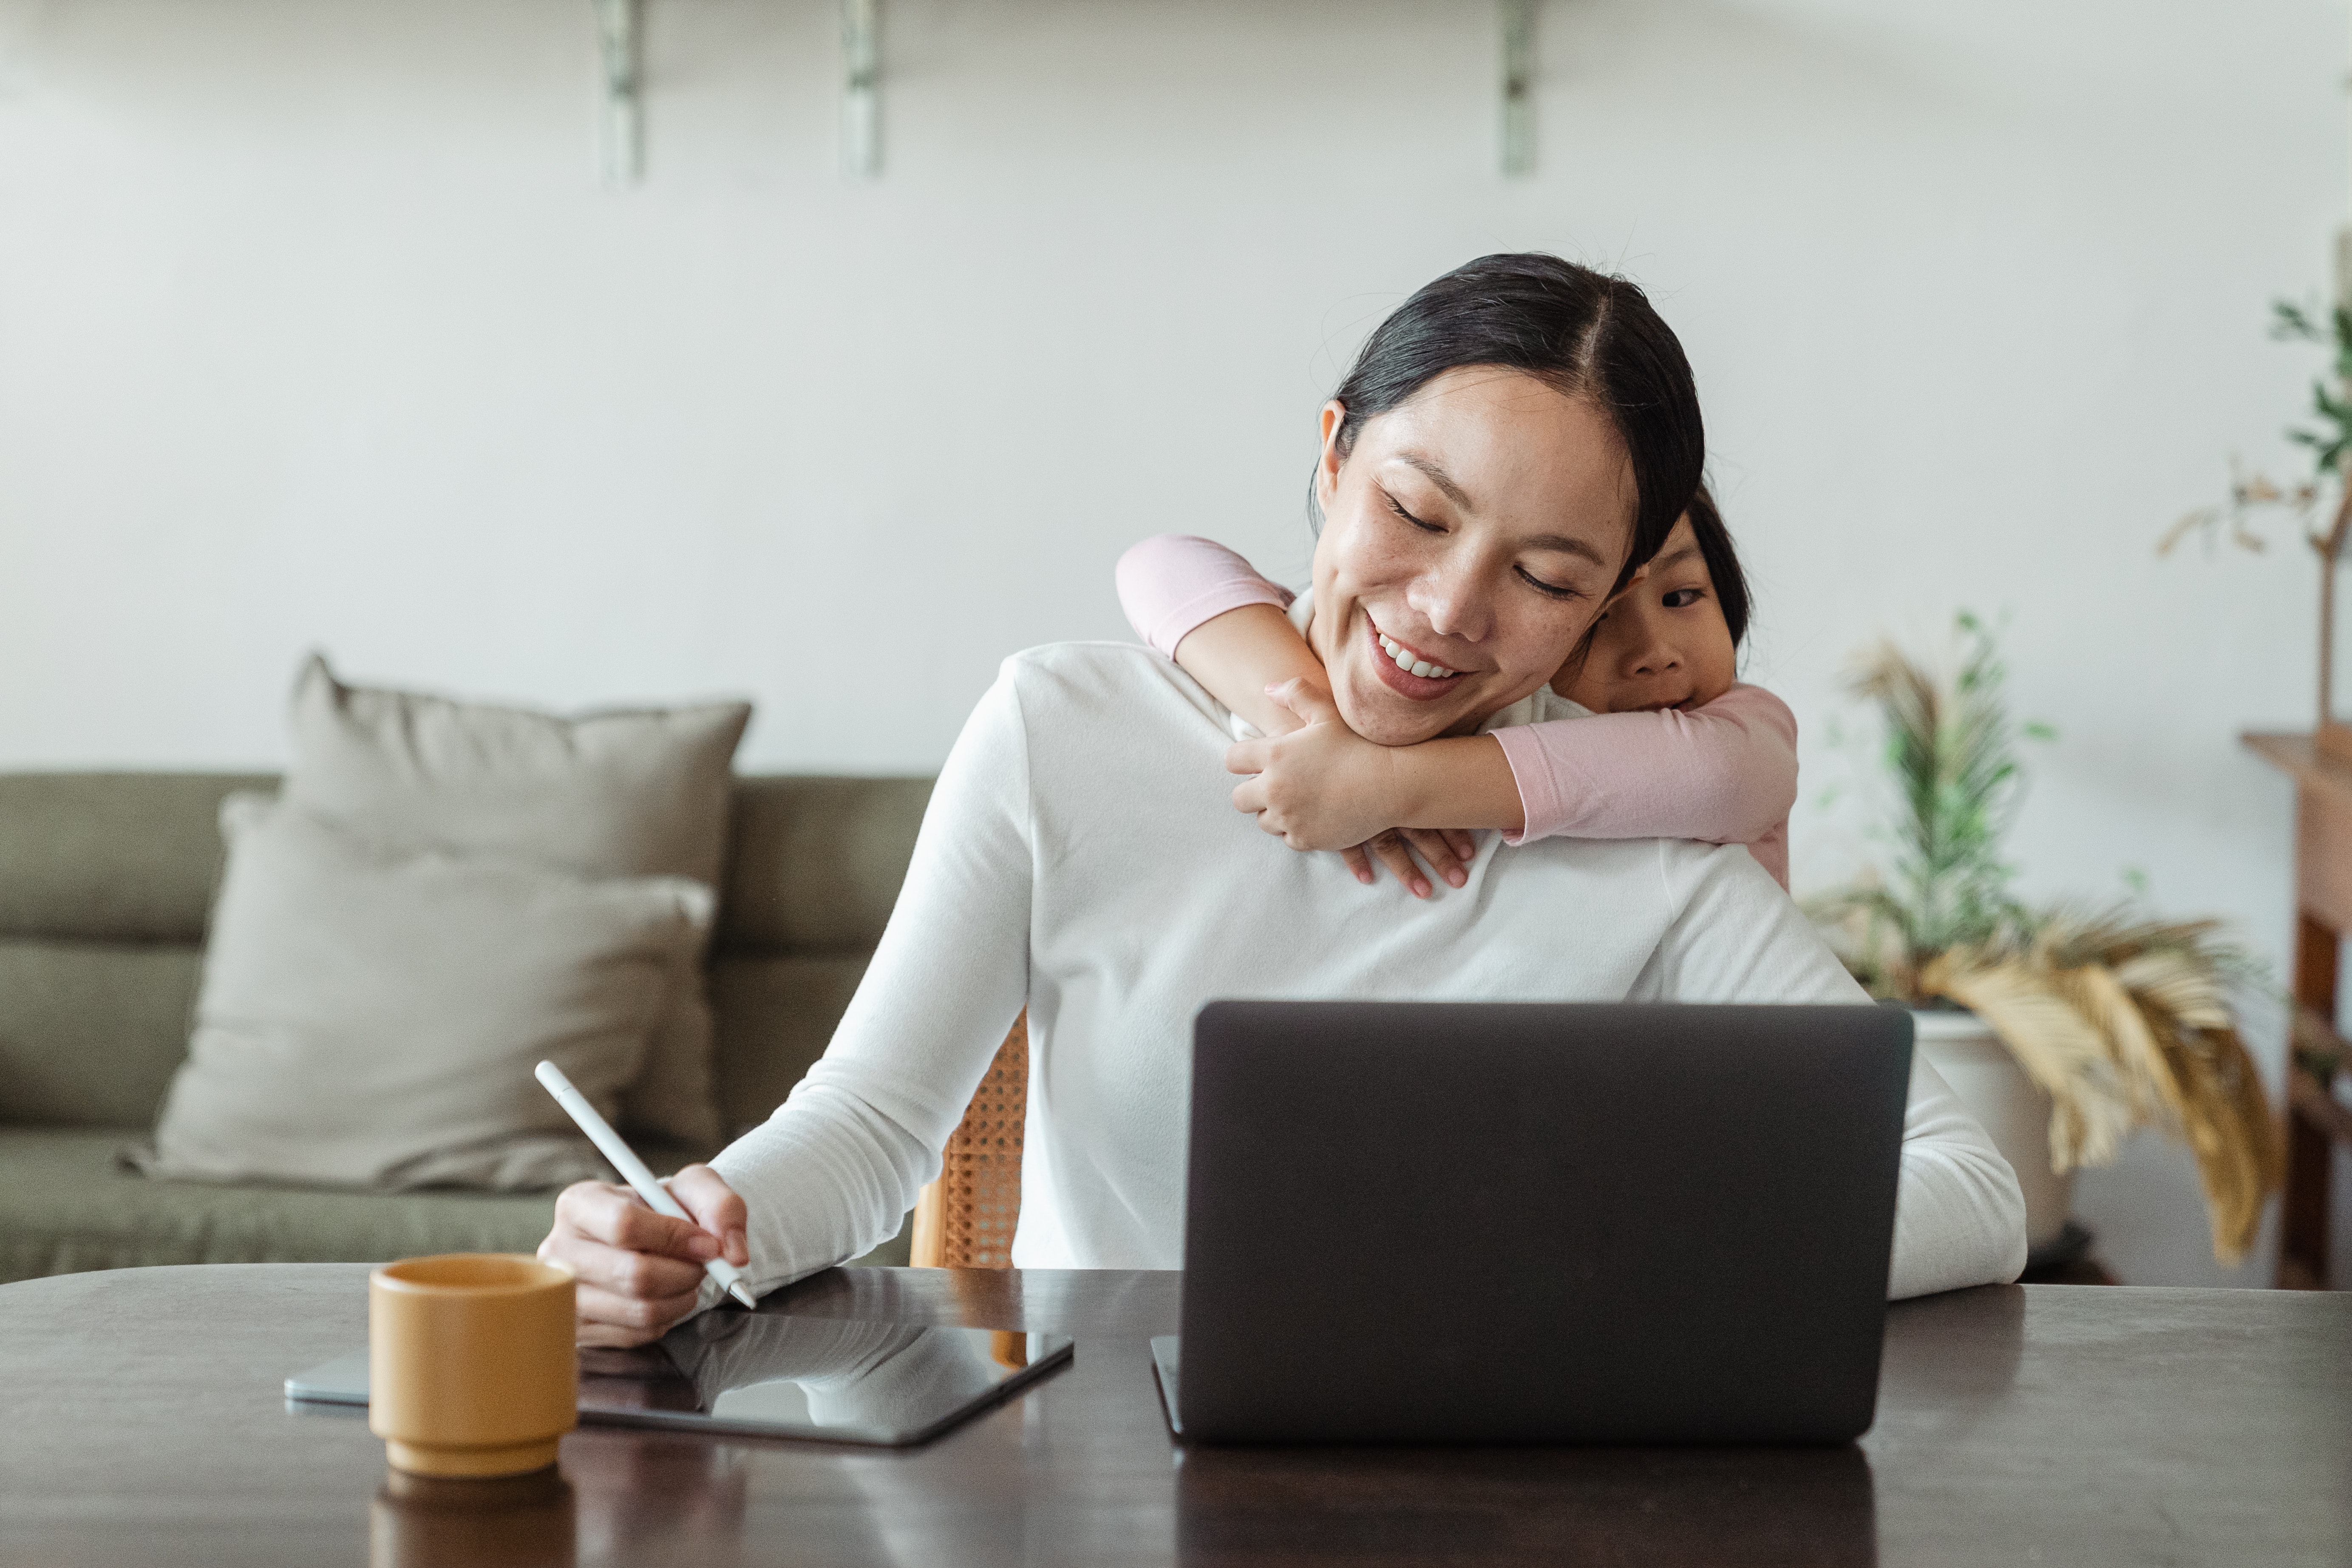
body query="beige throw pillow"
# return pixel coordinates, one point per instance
(622, 794)
(370, 1016)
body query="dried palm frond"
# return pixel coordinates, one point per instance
(2125, 1022)
(2063, 1052)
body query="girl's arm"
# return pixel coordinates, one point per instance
(1324, 786)
(1722, 774)
(1171, 582)
(1725, 774)
(1208, 609)
(1204, 606)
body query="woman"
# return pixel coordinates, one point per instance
(1511, 446)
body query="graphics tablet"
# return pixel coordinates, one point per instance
(759, 1374)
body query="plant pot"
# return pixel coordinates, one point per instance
(2014, 1112)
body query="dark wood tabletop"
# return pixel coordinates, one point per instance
(142, 1422)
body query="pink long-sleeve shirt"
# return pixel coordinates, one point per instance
(1725, 772)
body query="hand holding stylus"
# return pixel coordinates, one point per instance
(639, 1263)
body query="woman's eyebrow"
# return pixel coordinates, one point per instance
(1561, 543)
(1684, 553)
(1437, 476)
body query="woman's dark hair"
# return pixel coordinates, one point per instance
(1722, 563)
(1585, 334)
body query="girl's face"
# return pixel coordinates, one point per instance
(1469, 539)
(1662, 644)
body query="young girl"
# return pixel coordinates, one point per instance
(1675, 748)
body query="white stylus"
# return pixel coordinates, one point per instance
(633, 1171)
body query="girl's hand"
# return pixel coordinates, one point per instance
(1323, 787)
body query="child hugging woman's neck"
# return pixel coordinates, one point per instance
(1674, 746)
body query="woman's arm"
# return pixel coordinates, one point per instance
(1724, 774)
(1960, 1218)
(833, 1171)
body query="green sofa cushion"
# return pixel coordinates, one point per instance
(117, 856)
(90, 1032)
(70, 1208)
(776, 1015)
(813, 863)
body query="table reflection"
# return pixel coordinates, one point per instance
(508, 1521)
(872, 1379)
(1724, 1507)
(642, 1493)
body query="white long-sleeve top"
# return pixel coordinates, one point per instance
(1081, 857)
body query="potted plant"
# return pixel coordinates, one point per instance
(2061, 1028)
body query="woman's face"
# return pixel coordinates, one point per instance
(1474, 532)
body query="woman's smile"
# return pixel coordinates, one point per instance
(1406, 670)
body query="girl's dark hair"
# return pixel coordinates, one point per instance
(1722, 563)
(1585, 334)
(1730, 584)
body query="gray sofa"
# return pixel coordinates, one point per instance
(105, 883)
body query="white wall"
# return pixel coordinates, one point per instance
(315, 329)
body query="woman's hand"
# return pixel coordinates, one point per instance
(1323, 787)
(1445, 848)
(640, 1271)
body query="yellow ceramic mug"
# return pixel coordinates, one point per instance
(471, 1370)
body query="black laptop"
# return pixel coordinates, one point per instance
(1536, 1223)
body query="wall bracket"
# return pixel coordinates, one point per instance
(620, 26)
(861, 97)
(1518, 126)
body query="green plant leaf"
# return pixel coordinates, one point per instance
(1948, 749)
(2289, 320)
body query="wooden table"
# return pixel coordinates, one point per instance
(144, 1424)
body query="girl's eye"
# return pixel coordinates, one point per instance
(1682, 598)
